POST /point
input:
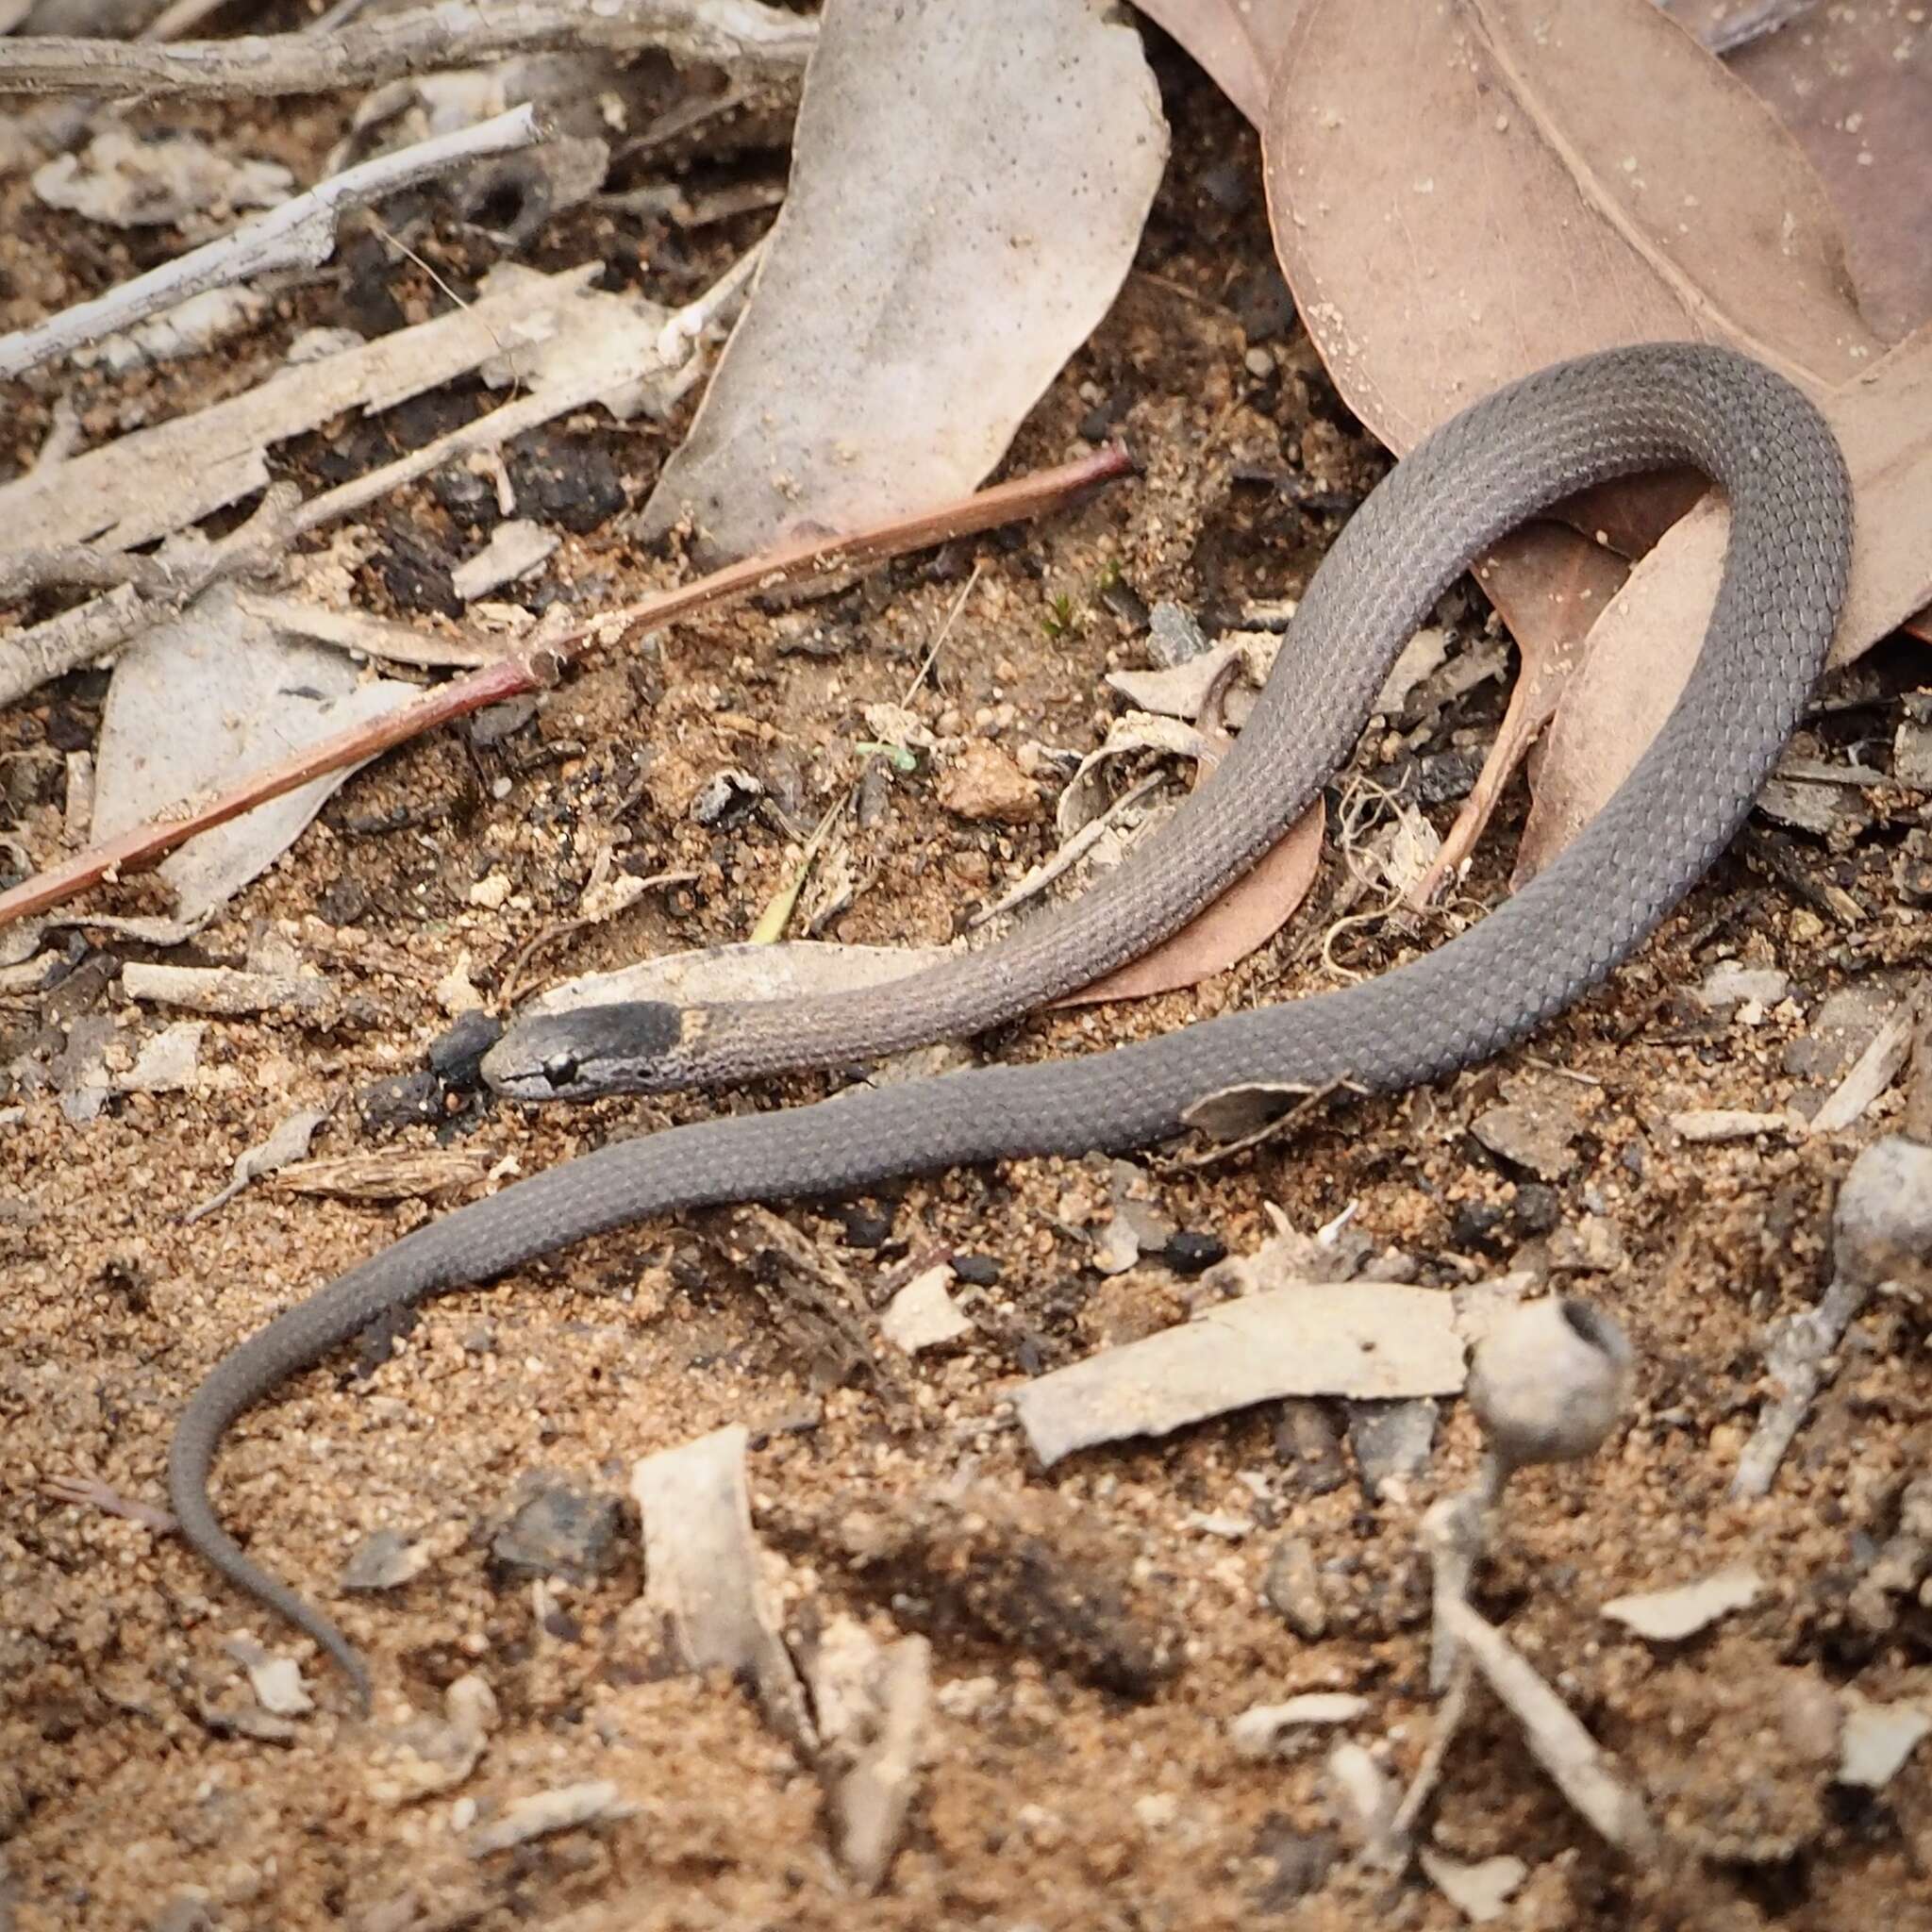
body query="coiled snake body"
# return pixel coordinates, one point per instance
(1473, 480)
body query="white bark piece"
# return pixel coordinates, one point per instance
(166, 1063)
(738, 34)
(1366, 1339)
(301, 233)
(1481, 1893)
(515, 548)
(1876, 1740)
(1707, 1125)
(189, 328)
(968, 189)
(700, 1567)
(225, 992)
(199, 702)
(170, 182)
(1279, 1730)
(548, 1813)
(1576, 1763)
(922, 1315)
(1668, 1616)
(872, 1800)
(144, 484)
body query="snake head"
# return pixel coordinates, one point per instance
(625, 1046)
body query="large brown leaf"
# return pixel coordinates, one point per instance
(1499, 184)
(1237, 41)
(1641, 651)
(1464, 192)
(1853, 84)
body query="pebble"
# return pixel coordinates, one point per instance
(1594, 1246)
(1537, 1138)
(1730, 983)
(559, 1528)
(1877, 1739)
(983, 785)
(1306, 1442)
(384, 1559)
(922, 1315)
(866, 1227)
(1391, 1439)
(1840, 1030)
(1189, 1252)
(1911, 747)
(404, 1100)
(1882, 1227)
(1173, 635)
(977, 1271)
(1293, 1589)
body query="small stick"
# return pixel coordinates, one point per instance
(741, 34)
(1006, 503)
(299, 233)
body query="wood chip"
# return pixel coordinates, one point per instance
(1364, 1339)
(701, 1565)
(1668, 1616)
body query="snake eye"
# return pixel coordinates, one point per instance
(560, 1069)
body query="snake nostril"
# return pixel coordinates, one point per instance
(560, 1069)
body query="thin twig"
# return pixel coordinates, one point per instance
(300, 233)
(740, 33)
(1006, 503)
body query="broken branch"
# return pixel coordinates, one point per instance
(299, 233)
(743, 34)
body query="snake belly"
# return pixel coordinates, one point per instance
(1500, 461)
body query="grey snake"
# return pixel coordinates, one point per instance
(1467, 485)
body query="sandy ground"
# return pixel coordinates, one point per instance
(1072, 1777)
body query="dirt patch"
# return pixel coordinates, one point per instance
(1094, 1637)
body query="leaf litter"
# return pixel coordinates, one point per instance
(869, 1829)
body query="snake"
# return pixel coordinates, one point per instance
(1508, 457)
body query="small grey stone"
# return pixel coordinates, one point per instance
(1730, 983)
(385, 1559)
(1535, 1137)
(558, 1530)
(1882, 1228)
(1840, 1030)
(1391, 1439)
(1306, 1442)
(1294, 1587)
(1173, 636)
(725, 798)
(495, 723)
(1912, 755)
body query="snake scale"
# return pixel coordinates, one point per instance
(1467, 485)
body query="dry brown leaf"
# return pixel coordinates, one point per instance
(1237, 41)
(1526, 180)
(1642, 650)
(1247, 915)
(1463, 195)
(1853, 84)
(1551, 585)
